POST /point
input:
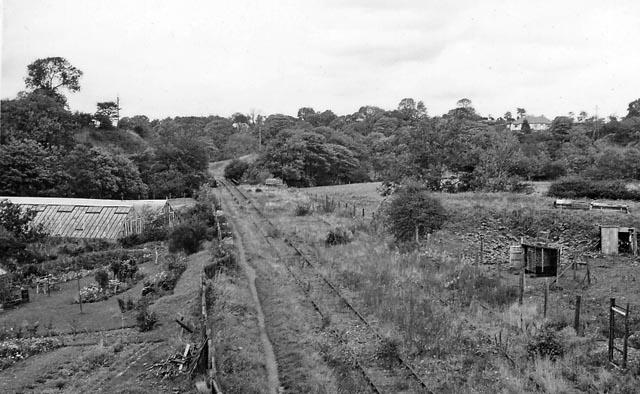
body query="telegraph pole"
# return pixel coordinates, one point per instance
(595, 126)
(117, 109)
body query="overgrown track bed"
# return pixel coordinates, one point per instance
(384, 368)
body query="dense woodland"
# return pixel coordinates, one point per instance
(46, 149)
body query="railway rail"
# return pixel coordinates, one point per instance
(383, 367)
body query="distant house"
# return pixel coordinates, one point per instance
(92, 218)
(537, 123)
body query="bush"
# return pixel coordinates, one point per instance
(338, 236)
(90, 261)
(472, 283)
(547, 344)
(255, 174)
(414, 208)
(102, 278)
(146, 320)
(187, 237)
(155, 230)
(586, 188)
(236, 169)
(303, 209)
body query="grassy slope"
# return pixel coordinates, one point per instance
(431, 301)
(115, 141)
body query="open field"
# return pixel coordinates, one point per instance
(445, 310)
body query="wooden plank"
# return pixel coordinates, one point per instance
(619, 310)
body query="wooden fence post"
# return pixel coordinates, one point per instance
(546, 296)
(362, 212)
(612, 303)
(576, 319)
(521, 298)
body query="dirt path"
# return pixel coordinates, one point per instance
(270, 358)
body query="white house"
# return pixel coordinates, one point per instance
(537, 123)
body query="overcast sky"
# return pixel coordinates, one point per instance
(188, 57)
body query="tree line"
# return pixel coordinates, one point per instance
(48, 150)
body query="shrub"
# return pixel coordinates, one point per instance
(546, 343)
(146, 320)
(255, 174)
(470, 282)
(102, 278)
(236, 169)
(100, 259)
(414, 208)
(338, 236)
(154, 230)
(187, 237)
(303, 209)
(586, 188)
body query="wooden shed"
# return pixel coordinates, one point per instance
(93, 218)
(541, 258)
(616, 239)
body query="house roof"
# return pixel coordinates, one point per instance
(85, 218)
(532, 120)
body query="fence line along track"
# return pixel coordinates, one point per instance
(386, 370)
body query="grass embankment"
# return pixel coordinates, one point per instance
(240, 360)
(460, 324)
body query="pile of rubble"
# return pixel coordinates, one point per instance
(494, 239)
(190, 361)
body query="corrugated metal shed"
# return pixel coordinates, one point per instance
(90, 218)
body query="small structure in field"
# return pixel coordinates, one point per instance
(273, 182)
(616, 239)
(609, 207)
(590, 206)
(92, 218)
(572, 204)
(541, 258)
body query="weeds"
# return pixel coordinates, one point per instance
(338, 236)
(146, 320)
(303, 209)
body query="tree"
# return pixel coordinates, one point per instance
(26, 168)
(52, 73)
(139, 124)
(305, 113)
(464, 103)
(526, 127)
(240, 120)
(521, 112)
(107, 112)
(38, 117)
(411, 110)
(236, 169)
(413, 210)
(561, 125)
(634, 109)
(89, 173)
(582, 116)
(508, 116)
(464, 110)
(18, 223)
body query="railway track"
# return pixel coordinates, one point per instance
(383, 367)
